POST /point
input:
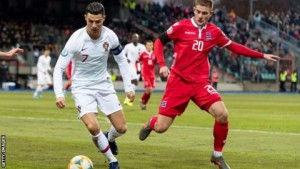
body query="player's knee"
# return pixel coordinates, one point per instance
(222, 117)
(121, 129)
(93, 129)
(161, 128)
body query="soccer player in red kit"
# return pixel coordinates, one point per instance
(69, 76)
(188, 78)
(148, 60)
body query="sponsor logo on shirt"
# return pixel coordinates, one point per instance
(83, 49)
(190, 33)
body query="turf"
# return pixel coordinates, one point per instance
(264, 133)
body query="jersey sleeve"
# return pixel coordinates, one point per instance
(173, 31)
(119, 55)
(222, 40)
(61, 64)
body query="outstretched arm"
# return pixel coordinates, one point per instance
(243, 50)
(271, 57)
(159, 53)
(11, 53)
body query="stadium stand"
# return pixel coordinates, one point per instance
(34, 28)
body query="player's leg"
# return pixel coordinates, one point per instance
(85, 104)
(173, 103)
(145, 98)
(41, 81)
(158, 123)
(110, 105)
(220, 113)
(91, 122)
(134, 82)
(207, 98)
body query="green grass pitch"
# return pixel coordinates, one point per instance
(264, 133)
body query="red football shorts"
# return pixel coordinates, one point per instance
(178, 93)
(149, 81)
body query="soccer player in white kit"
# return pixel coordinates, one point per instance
(132, 52)
(44, 79)
(92, 88)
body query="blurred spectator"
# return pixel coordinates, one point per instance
(3, 72)
(294, 81)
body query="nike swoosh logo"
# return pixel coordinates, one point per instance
(83, 49)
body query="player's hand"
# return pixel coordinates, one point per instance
(15, 51)
(60, 102)
(271, 57)
(131, 96)
(164, 71)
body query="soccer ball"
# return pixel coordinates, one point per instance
(80, 162)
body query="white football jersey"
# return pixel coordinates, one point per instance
(89, 58)
(133, 52)
(43, 64)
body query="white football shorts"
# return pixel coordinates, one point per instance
(44, 79)
(133, 72)
(107, 103)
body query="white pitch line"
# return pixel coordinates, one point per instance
(174, 126)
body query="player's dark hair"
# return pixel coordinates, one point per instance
(95, 8)
(207, 3)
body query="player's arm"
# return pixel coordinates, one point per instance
(159, 53)
(243, 50)
(11, 53)
(59, 68)
(121, 60)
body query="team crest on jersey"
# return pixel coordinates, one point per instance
(105, 46)
(208, 36)
(64, 53)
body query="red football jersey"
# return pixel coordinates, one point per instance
(148, 61)
(191, 47)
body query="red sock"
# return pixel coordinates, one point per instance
(68, 86)
(145, 97)
(153, 120)
(220, 135)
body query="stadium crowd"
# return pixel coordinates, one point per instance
(148, 19)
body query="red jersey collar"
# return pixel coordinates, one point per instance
(197, 26)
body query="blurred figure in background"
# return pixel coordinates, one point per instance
(294, 81)
(148, 61)
(44, 73)
(3, 72)
(132, 52)
(282, 80)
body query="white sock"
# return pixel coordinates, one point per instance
(102, 144)
(39, 89)
(217, 153)
(113, 134)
